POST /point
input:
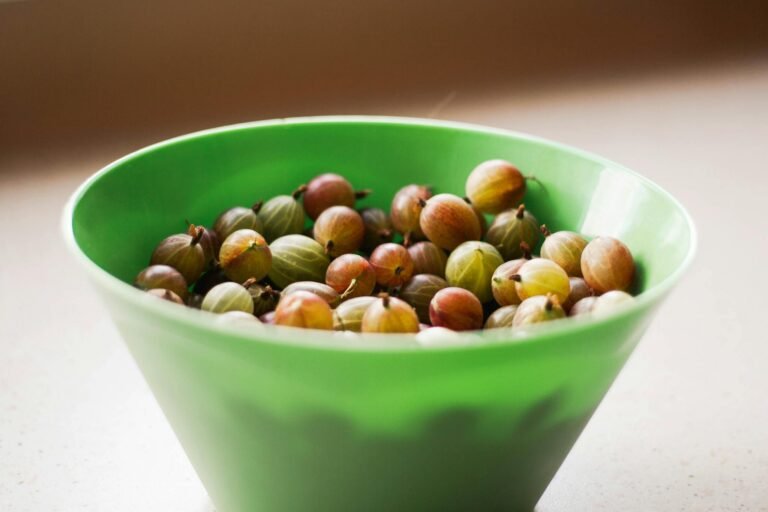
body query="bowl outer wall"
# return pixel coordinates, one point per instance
(277, 419)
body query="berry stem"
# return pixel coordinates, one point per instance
(545, 230)
(329, 246)
(384, 299)
(198, 235)
(299, 191)
(249, 282)
(520, 211)
(350, 289)
(362, 194)
(526, 250)
(257, 206)
(516, 278)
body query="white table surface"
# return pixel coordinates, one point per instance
(684, 428)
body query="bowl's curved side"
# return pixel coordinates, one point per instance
(280, 427)
(280, 419)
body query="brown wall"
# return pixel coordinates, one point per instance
(96, 69)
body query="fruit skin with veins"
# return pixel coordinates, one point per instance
(304, 309)
(390, 315)
(182, 252)
(238, 217)
(565, 249)
(405, 211)
(244, 255)
(579, 290)
(162, 276)
(378, 228)
(502, 317)
(448, 221)
(607, 264)
(419, 291)
(510, 229)
(471, 266)
(538, 309)
(392, 264)
(282, 215)
(611, 301)
(328, 190)
(297, 258)
(428, 259)
(495, 186)
(351, 275)
(340, 230)
(228, 297)
(457, 309)
(322, 290)
(542, 277)
(348, 316)
(583, 307)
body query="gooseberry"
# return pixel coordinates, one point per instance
(495, 185)
(457, 309)
(448, 221)
(245, 254)
(340, 230)
(471, 265)
(351, 275)
(390, 315)
(304, 309)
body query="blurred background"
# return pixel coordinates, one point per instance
(95, 71)
(677, 90)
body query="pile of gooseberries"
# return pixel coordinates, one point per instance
(433, 264)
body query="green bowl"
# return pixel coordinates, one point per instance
(280, 419)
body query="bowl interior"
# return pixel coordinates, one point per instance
(128, 208)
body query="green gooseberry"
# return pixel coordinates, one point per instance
(238, 217)
(227, 297)
(502, 317)
(182, 252)
(509, 229)
(283, 215)
(541, 308)
(471, 266)
(297, 258)
(348, 316)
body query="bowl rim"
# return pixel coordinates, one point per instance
(333, 340)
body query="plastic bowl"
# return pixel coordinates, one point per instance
(291, 420)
